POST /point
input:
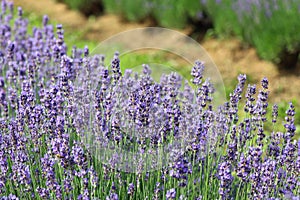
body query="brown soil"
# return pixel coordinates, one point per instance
(231, 57)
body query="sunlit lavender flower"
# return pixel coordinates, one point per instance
(130, 189)
(225, 177)
(197, 72)
(43, 193)
(268, 176)
(84, 196)
(171, 194)
(297, 163)
(78, 156)
(67, 182)
(199, 198)
(262, 104)
(112, 196)
(288, 155)
(243, 168)
(93, 179)
(115, 66)
(157, 191)
(235, 97)
(3, 163)
(256, 155)
(249, 106)
(10, 197)
(274, 148)
(232, 150)
(112, 193)
(274, 113)
(290, 125)
(180, 170)
(21, 175)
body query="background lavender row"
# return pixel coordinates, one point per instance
(270, 26)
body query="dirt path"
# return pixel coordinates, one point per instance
(56, 11)
(229, 55)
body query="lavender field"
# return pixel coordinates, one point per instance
(60, 139)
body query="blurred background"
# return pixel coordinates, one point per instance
(258, 38)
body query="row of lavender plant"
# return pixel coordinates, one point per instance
(43, 156)
(269, 26)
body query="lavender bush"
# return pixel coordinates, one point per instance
(46, 150)
(269, 26)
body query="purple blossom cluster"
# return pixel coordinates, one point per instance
(46, 141)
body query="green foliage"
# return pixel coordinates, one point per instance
(170, 13)
(131, 10)
(135, 10)
(167, 13)
(88, 7)
(159, 62)
(112, 6)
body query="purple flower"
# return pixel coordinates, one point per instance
(268, 176)
(78, 156)
(265, 83)
(243, 168)
(249, 106)
(225, 177)
(171, 194)
(130, 189)
(235, 97)
(67, 182)
(21, 175)
(115, 66)
(43, 193)
(157, 191)
(10, 197)
(180, 170)
(45, 20)
(112, 196)
(197, 72)
(288, 155)
(84, 196)
(290, 124)
(274, 113)
(3, 165)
